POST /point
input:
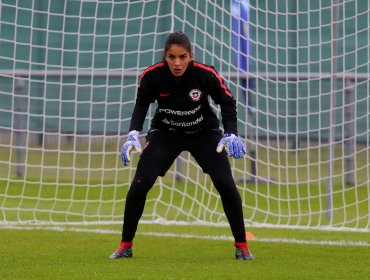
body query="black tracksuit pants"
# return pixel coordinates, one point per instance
(160, 151)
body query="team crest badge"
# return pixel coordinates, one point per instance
(195, 94)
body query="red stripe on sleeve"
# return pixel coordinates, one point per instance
(213, 71)
(150, 68)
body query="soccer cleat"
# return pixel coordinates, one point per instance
(124, 251)
(242, 252)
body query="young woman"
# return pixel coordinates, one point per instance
(183, 121)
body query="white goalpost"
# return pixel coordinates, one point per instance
(300, 74)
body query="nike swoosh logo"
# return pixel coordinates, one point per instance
(164, 94)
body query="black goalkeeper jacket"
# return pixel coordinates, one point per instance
(183, 102)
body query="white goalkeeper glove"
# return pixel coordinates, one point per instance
(233, 145)
(132, 142)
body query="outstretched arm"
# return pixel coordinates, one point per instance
(143, 101)
(231, 143)
(131, 143)
(222, 96)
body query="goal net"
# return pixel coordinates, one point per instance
(299, 71)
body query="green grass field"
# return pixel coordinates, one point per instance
(189, 253)
(91, 187)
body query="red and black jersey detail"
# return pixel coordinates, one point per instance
(150, 68)
(213, 71)
(183, 102)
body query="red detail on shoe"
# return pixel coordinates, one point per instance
(243, 246)
(123, 246)
(126, 244)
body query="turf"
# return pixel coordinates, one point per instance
(67, 189)
(50, 254)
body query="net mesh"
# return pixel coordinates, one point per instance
(298, 70)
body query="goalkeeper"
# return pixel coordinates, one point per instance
(183, 121)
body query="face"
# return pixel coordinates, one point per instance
(178, 58)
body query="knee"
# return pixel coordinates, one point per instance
(140, 186)
(221, 181)
(226, 187)
(144, 180)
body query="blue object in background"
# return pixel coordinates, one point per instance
(240, 33)
(241, 43)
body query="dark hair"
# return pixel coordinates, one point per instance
(178, 38)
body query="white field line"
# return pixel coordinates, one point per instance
(191, 236)
(169, 223)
